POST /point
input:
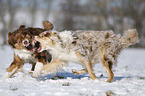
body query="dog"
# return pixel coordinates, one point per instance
(85, 48)
(25, 49)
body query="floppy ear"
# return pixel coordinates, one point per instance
(9, 34)
(47, 25)
(22, 27)
(10, 41)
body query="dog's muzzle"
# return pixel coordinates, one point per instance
(37, 45)
(28, 45)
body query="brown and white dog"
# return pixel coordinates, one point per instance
(25, 49)
(85, 48)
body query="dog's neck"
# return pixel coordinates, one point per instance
(24, 55)
(62, 39)
(22, 51)
(60, 49)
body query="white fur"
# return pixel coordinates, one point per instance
(38, 69)
(66, 36)
(52, 68)
(57, 51)
(64, 55)
(24, 54)
(8, 74)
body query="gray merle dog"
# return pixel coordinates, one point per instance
(85, 48)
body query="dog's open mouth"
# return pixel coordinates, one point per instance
(37, 46)
(28, 46)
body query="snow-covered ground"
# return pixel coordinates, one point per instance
(129, 78)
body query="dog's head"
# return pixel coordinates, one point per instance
(23, 38)
(46, 40)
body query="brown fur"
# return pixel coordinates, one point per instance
(17, 63)
(22, 39)
(47, 25)
(43, 57)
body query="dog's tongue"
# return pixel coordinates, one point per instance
(27, 45)
(30, 48)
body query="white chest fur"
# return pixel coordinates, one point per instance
(64, 54)
(24, 55)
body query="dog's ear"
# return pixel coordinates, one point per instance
(22, 27)
(9, 34)
(47, 25)
(10, 39)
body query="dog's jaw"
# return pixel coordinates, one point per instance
(37, 46)
(44, 45)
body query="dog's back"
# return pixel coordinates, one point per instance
(90, 43)
(89, 48)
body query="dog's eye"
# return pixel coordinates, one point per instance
(19, 41)
(42, 36)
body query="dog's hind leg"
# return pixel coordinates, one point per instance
(79, 72)
(14, 67)
(88, 65)
(107, 64)
(52, 67)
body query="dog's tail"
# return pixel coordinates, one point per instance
(130, 38)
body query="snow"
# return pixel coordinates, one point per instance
(129, 78)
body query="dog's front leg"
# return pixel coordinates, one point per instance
(107, 64)
(90, 70)
(14, 67)
(52, 67)
(37, 70)
(33, 68)
(41, 61)
(88, 65)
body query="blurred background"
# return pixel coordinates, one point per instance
(116, 15)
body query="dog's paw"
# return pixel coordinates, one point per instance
(31, 72)
(37, 70)
(43, 73)
(36, 74)
(6, 75)
(75, 72)
(79, 72)
(50, 70)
